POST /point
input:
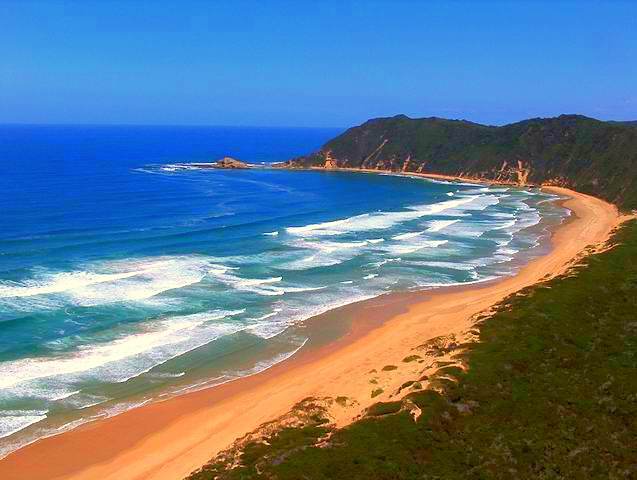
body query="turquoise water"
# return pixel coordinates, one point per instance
(126, 274)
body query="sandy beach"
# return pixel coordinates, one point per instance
(167, 440)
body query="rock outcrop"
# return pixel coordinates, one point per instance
(229, 162)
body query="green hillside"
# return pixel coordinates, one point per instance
(578, 152)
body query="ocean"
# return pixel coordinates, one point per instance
(127, 275)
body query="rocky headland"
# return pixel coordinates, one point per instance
(572, 151)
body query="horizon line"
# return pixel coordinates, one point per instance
(211, 125)
(180, 125)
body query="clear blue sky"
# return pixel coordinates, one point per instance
(302, 63)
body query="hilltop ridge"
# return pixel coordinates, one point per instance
(574, 151)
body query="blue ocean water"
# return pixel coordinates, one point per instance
(126, 274)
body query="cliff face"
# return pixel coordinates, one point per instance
(582, 153)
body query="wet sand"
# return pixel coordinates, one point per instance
(167, 440)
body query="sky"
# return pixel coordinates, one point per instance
(314, 64)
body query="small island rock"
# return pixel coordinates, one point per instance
(229, 162)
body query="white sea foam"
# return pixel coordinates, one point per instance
(478, 204)
(456, 284)
(405, 236)
(437, 225)
(125, 406)
(277, 291)
(313, 261)
(12, 421)
(447, 182)
(501, 215)
(552, 198)
(501, 242)
(273, 313)
(125, 357)
(261, 286)
(331, 247)
(384, 262)
(275, 324)
(271, 234)
(328, 253)
(498, 190)
(495, 259)
(504, 225)
(385, 220)
(251, 282)
(84, 400)
(115, 281)
(485, 190)
(468, 230)
(271, 329)
(336, 227)
(60, 283)
(167, 375)
(528, 192)
(506, 251)
(294, 312)
(370, 276)
(405, 249)
(528, 219)
(266, 364)
(449, 265)
(433, 180)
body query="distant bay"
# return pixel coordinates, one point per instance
(125, 276)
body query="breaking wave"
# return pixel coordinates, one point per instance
(385, 220)
(117, 281)
(120, 359)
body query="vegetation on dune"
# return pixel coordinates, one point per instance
(411, 358)
(551, 393)
(376, 392)
(574, 151)
(384, 408)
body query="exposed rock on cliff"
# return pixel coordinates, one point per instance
(582, 153)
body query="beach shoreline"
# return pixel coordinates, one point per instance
(169, 439)
(431, 176)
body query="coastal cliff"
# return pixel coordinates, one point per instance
(573, 151)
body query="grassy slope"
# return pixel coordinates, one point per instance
(551, 393)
